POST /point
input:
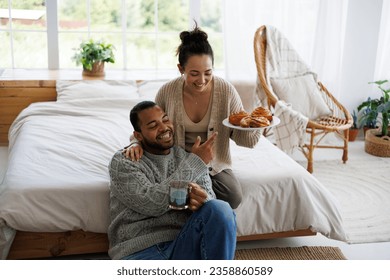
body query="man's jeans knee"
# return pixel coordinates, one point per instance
(210, 233)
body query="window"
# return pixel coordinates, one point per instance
(20, 25)
(145, 33)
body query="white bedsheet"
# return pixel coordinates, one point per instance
(280, 195)
(57, 178)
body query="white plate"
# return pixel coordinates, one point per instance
(275, 121)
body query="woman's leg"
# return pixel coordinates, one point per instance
(209, 234)
(227, 187)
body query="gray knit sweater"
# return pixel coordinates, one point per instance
(139, 198)
(225, 102)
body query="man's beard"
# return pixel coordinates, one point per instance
(157, 146)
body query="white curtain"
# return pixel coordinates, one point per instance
(382, 69)
(314, 27)
(328, 45)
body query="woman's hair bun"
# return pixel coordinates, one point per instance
(193, 42)
(185, 37)
(199, 34)
(195, 35)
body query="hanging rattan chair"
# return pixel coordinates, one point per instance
(338, 122)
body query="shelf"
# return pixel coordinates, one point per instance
(42, 75)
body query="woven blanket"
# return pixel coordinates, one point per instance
(291, 132)
(282, 61)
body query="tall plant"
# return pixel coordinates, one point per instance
(384, 107)
(372, 107)
(368, 112)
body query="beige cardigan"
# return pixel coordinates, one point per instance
(225, 102)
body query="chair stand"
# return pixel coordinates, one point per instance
(308, 149)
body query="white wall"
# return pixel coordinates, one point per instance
(360, 48)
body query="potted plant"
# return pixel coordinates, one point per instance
(368, 113)
(92, 55)
(377, 141)
(354, 129)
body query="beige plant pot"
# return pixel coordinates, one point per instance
(97, 70)
(375, 145)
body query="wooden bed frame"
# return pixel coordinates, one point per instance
(32, 245)
(15, 95)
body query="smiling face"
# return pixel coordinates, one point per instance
(198, 73)
(156, 133)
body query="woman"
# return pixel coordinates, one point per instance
(198, 102)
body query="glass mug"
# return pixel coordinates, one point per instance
(179, 194)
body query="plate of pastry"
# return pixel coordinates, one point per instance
(259, 118)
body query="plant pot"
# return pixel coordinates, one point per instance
(97, 70)
(377, 145)
(365, 128)
(353, 133)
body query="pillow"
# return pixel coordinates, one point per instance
(148, 89)
(303, 94)
(247, 92)
(69, 90)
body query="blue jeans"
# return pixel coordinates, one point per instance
(209, 234)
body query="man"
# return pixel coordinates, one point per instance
(142, 226)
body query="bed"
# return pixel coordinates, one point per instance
(54, 199)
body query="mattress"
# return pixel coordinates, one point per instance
(3, 161)
(57, 177)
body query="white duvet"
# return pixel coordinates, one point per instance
(57, 178)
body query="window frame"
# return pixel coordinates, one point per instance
(52, 31)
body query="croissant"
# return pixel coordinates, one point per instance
(262, 112)
(251, 121)
(235, 118)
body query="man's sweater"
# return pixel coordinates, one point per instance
(139, 197)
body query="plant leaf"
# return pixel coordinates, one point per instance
(379, 82)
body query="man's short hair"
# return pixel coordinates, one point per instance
(138, 108)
